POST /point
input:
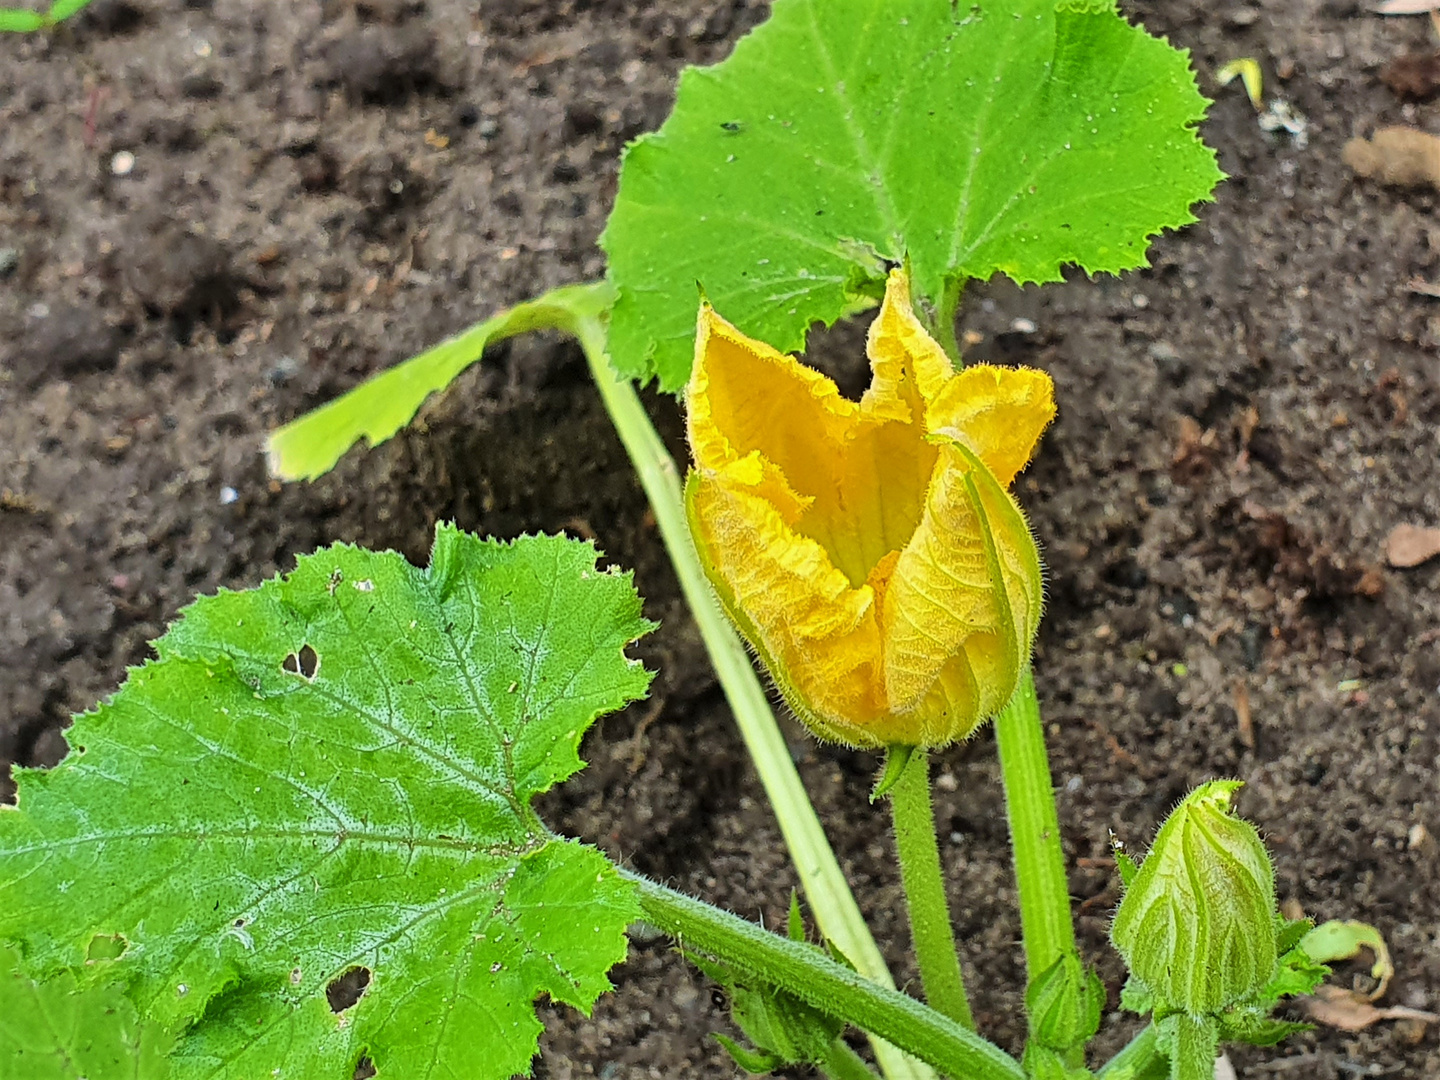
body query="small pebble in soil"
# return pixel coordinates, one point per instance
(283, 371)
(123, 163)
(228, 495)
(1022, 326)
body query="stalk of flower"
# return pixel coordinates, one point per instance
(872, 554)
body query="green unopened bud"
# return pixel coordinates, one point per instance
(1197, 925)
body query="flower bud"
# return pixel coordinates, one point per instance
(1197, 925)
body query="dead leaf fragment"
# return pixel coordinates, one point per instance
(1410, 545)
(1404, 156)
(1349, 1010)
(1243, 717)
(1413, 76)
(1195, 451)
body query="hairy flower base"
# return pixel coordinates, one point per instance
(871, 552)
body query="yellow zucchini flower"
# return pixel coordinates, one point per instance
(871, 553)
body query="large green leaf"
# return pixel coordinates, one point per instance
(49, 1031)
(1017, 136)
(334, 772)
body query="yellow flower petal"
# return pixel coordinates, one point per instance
(963, 604)
(998, 412)
(818, 637)
(905, 361)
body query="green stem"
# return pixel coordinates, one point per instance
(825, 886)
(811, 976)
(1142, 1056)
(1034, 831)
(924, 882)
(1034, 834)
(842, 1063)
(939, 320)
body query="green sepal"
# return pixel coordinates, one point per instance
(1252, 1026)
(1191, 1043)
(795, 921)
(756, 1062)
(1064, 1004)
(785, 1031)
(1296, 974)
(1128, 868)
(896, 759)
(1043, 1063)
(1290, 932)
(1197, 924)
(1136, 997)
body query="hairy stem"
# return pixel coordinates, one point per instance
(825, 886)
(939, 320)
(811, 976)
(1034, 833)
(924, 882)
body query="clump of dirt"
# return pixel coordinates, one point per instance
(313, 191)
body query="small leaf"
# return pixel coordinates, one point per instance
(260, 824)
(1248, 69)
(21, 21)
(1341, 939)
(1010, 136)
(379, 407)
(52, 1031)
(63, 9)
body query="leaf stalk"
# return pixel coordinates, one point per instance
(809, 975)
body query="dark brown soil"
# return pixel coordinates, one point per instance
(1241, 425)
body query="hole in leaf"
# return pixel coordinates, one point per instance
(305, 663)
(364, 1068)
(345, 990)
(106, 947)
